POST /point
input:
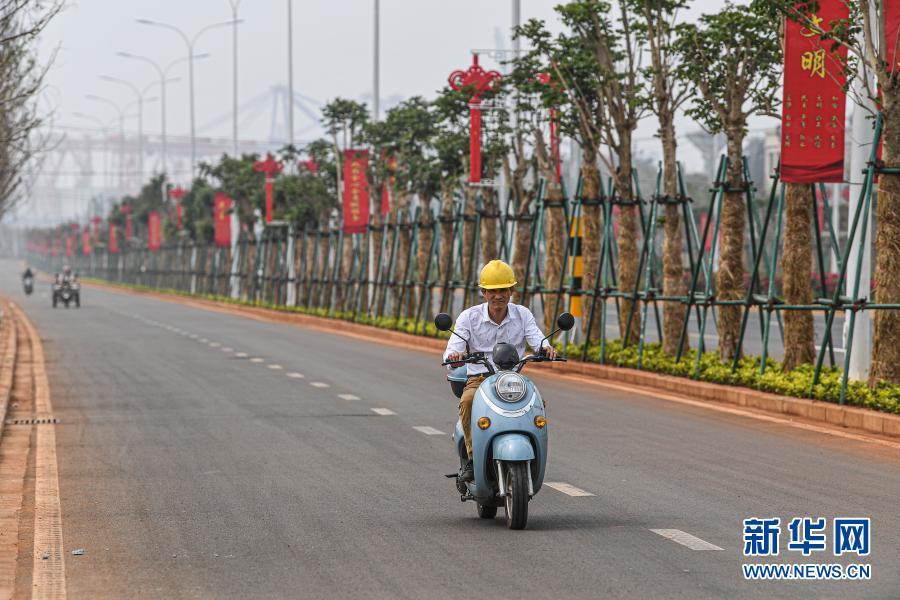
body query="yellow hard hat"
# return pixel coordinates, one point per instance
(496, 275)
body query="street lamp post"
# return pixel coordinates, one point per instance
(234, 117)
(290, 16)
(139, 95)
(104, 127)
(163, 79)
(376, 71)
(190, 42)
(121, 113)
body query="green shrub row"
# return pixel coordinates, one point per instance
(797, 383)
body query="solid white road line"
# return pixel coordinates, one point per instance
(384, 412)
(565, 488)
(275, 367)
(685, 539)
(428, 430)
(241, 355)
(256, 360)
(295, 375)
(348, 397)
(319, 384)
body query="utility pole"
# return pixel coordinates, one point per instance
(234, 34)
(290, 106)
(376, 83)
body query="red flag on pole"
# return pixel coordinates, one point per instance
(222, 220)
(813, 111)
(356, 191)
(70, 243)
(113, 240)
(86, 242)
(154, 231)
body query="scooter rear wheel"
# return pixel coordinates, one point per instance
(485, 512)
(516, 495)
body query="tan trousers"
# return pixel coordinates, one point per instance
(465, 408)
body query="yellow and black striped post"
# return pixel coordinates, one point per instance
(576, 263)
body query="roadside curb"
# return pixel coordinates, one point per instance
(7, 359)
(836, 415)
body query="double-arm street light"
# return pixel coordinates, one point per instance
(163, 74)
(190, 42)
(121, 113)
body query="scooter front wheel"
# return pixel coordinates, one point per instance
(516, 480)
(485, 512)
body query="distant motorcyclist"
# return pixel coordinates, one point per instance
(28, 280)
(28, 274)
(484, 325)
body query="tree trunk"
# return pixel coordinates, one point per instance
(730, 276)
(469, 271)
(446, 264)
(799, 335)
(401, 274)
(423, 289)
(886, 347)
(521, 244)
(629, 255)
(674, 283)
(590, 243)
(488, 231)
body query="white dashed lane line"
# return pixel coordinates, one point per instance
(319, 384)
(428, 430)
(193, 336)
(256, 360)
(565, 488)
(203, 340)
(275, 367)
(384, 412)
(295, 375)
(241, 355)
(348, 397)
(214, 344)
(227, 349)
(685, 539)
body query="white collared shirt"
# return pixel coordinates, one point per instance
(475, 325)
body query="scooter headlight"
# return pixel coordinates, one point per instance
(510, 387)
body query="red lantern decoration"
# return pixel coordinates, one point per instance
(310, 165)
(221, 220)
(477, 81)
(270, 167)
(177, 194)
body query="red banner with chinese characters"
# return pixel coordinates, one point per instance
(891, 32)
(356, 191)
(70, 245)
(154, 231)
(86, 242)
(113, 239)
(222, 220)
(813, 111)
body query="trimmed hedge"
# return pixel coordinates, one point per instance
(884, 397)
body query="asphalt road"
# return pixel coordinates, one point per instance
(188, 470)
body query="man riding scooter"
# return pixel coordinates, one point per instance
(484, 325)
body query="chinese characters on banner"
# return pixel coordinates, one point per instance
(222, 220)
(154, 231)
(356, 191)
(113, 239)
(85, 242)
(891, 31)
(812, 121)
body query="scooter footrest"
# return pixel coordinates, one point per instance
(451, 475)
(464, 497)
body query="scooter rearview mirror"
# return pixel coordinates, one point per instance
(443, 322)
(565, 321)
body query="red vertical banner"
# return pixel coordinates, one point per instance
(113, 239)
(270, 167)
(891, 32)
(70, 245)
(86, 242)
(128, 228)
(222, 220)
(814, 106)
(356, 191)
(385, 200)
(154, 231)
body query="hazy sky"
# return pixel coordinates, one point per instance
(421, 40)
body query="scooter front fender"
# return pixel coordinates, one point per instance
(512, 447)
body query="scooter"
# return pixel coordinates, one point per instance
(28, 283)
(509, 430)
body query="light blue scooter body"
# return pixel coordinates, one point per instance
(512, 436)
